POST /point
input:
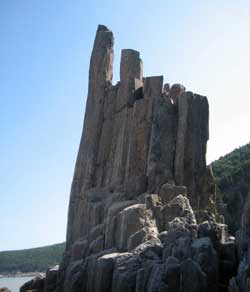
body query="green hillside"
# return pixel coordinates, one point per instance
(232, 173)
(30, 260)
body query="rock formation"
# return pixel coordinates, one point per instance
(4, 289)
(141, 212)
(241, 283)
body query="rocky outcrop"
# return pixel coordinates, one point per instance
(36, 284)
(241, 283)
(135, 139)
(141, 212)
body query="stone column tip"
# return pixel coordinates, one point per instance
(102, 27)
(129, 52)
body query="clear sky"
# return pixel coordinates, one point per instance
(44, 57)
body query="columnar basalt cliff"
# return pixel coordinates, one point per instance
(141, 212)
(135, 138)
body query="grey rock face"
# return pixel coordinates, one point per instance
(169, 191)
(178, 207)
(100, 75)
(140, 172)
(134, 142)
(192, 136)
(175, 91)
(51, 279)
(206, 256)
(193, 279)
(162, 144)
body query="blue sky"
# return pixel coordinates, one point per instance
(44, 55)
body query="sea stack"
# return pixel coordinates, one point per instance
(142, 213)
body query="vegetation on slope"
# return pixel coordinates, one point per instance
(232, 173)
(30, 260)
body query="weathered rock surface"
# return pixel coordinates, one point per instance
(241, 283)
(51, 279)
(139, 182)
(36, 284)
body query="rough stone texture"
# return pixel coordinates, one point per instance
(169, 191)
(177, 207)
(141, 126)
(134, 139)
(193, 279)
(162, 144)
(175, 91)
(100, 75)
(36, 284)
(205, 255)
(192, 136)
(51, 279)
(241, 282)
(140, 172)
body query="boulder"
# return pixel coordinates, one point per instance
(36, 284)
(131, 222)
(177, 207)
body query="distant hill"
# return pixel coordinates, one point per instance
(30, 260)
(232, 173)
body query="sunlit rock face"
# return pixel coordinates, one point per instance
(141, 212)
(135, 138)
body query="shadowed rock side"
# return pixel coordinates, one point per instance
(242, 281)
(141, 212)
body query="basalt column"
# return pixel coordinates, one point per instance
(162, 144)
(130, 79)
(100, 76)
(141, 127)
(192, 136)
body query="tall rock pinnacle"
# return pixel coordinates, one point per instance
(142, 199)
(100, 76)
(135, 139)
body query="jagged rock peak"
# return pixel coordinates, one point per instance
(102, 27)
